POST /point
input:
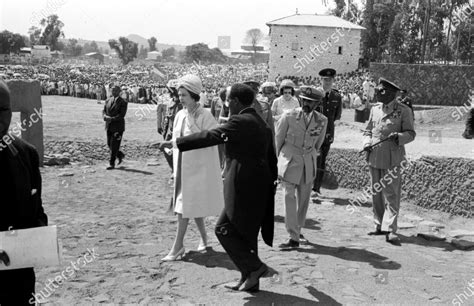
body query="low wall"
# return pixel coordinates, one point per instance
(440, 183)
(429, 84)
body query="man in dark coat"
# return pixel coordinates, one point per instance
(20, 204)
(249, 184)
(114, 112)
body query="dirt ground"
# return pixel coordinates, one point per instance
(121, 215)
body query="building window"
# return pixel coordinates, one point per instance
(294, 46)
(281, 56)
(339, 50)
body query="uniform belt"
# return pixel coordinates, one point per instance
(299, 150)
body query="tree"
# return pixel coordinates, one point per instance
(11, 42)
(126, 50)
(201, 53)
(90, 47)
(152, 43)
(72, 48)
(143, 53)
(168, 53)
(52, 31)
(253, 37)
(35, 35)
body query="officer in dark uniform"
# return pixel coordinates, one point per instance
(331, 108)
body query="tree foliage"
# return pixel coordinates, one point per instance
(416, 31)
(11, 42)
(202, 53)
(152, 43)
(72, 48)
(126, 50)
(254, 37)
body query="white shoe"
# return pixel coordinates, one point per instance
(178, 255)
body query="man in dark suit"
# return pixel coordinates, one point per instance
(114, 112)
(249, 184)
(20, 204)
(331, 107)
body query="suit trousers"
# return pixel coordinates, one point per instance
(113, 142)
(17, 286)
(242, 251)
(296, 206)
(386, 203)
(321, 166)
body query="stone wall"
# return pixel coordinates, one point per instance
(304, 51)
(430, 84)
(26, 98)
(431, 182)
(440, 183)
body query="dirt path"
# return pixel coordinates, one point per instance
(121, 215)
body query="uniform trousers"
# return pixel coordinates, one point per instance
(321, 166)
(296, 206)
(386, 202)
(113, 142)
(242, 249)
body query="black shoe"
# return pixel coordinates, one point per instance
(377, 232)
(291, 244)
(120, 156)
(110, 167)
(303, 239)
(236, 286)
(252, 283)
(393, 239)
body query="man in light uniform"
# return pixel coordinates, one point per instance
(392, 120)
(299, 136)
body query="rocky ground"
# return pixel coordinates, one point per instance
(121, 215)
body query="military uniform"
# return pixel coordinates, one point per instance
(385, 159)
(168, 127)
(298, 139)
(331, 107)
(160, 116)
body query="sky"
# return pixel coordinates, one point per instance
(170, 21)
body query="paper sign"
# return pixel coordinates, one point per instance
(31, 248)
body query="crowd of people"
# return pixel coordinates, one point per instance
(139, 85)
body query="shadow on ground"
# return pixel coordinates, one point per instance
(352, 254)
(267, 297)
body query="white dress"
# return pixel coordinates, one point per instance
(198, 188)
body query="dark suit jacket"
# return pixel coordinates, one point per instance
(117, 111)
(250, 174)
(20, 206)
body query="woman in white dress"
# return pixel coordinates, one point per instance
(286, 102)
(198, 190)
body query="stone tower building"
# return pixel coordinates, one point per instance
(303, 44)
